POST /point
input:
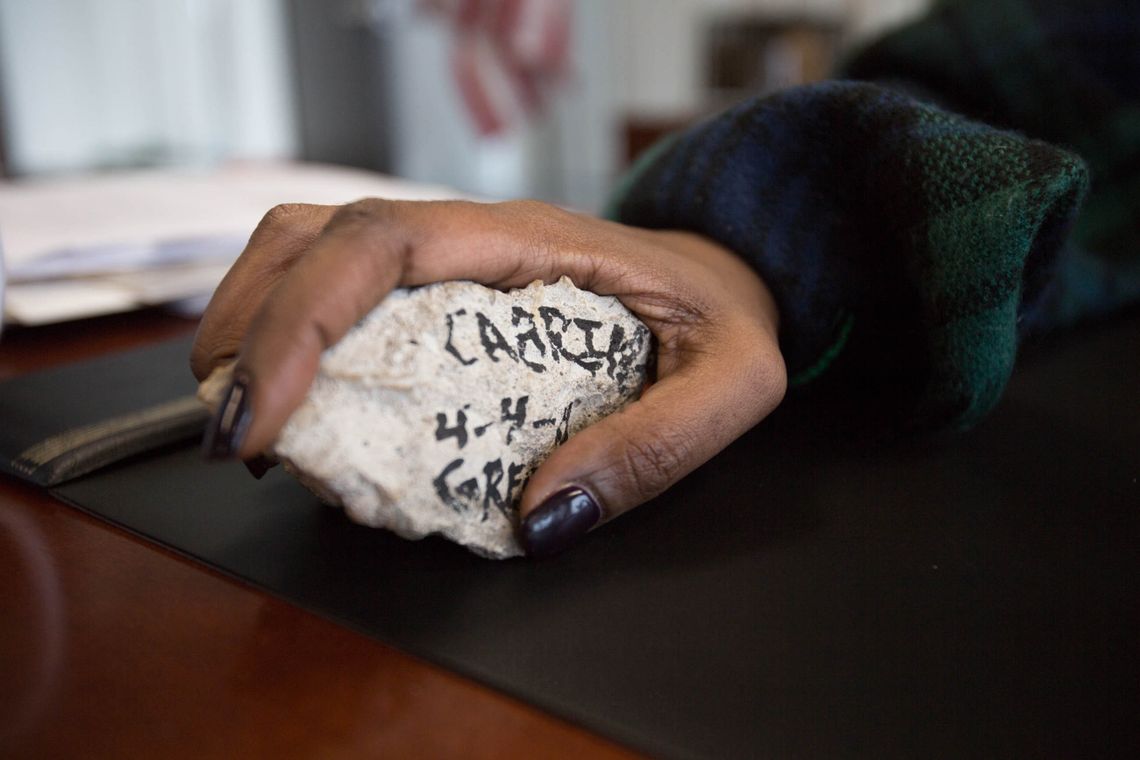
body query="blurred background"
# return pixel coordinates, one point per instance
(548, 99)
(104, 84)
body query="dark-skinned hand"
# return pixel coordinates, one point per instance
(309, 273)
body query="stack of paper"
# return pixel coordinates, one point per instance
(98, 244)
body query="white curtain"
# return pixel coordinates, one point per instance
(91, 84)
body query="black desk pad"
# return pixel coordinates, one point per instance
(970, 597)
(97, 412)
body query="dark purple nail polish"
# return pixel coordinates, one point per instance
(560, 521)
(230, 423)
(258, 466)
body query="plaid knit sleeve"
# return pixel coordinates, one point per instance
(1064, 72)
(900, 241)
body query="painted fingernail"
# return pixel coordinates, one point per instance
(560, 521)
(230, 423)
(258, 466)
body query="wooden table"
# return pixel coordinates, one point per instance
(113, 647)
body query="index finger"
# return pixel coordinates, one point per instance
(366, 250)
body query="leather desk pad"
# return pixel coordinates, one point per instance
(976, 596)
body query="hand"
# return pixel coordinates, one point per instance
(310, 273)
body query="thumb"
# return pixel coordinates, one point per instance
(633, 455)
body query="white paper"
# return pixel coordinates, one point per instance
(89, 245)
(37, 303)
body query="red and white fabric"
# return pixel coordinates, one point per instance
(508, 56)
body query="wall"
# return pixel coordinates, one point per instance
(659, 43)
(98, 83)
(631, 58)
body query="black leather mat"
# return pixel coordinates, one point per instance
(976, 597)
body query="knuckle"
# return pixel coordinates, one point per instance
(651, 464)
(777, 378)
(284, 213)
(765, 372)
(284, 218)
(289, 223)
(364, 211)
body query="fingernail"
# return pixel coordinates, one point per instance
(227, 429)
(560, 521)
(258, 466)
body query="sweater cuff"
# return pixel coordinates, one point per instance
(884, 227)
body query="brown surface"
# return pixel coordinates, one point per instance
(112, 647)
(642, 133)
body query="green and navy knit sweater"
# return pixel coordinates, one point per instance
(975, 180)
